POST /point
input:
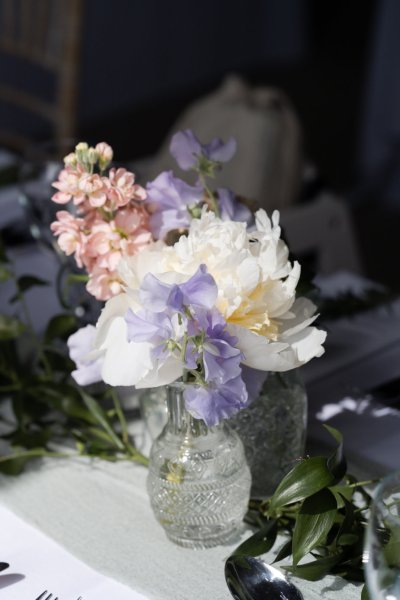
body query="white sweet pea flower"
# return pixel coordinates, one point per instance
(256, 296)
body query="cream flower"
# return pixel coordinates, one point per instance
(256, 293)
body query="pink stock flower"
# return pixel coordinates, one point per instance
(67, 184)
(93, 189)
(122, 188)
(110, 224)
(69, 231)
(103, 284)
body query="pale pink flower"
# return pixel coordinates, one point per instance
(67, 184)
(132, 223)
(70, 238)
(104, 246)
(103, 284)
(122, 188)
(93, 189)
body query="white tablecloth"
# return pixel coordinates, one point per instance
(101, 514)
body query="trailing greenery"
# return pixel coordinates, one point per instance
(42, 409)
(321, 511)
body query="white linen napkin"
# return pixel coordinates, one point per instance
(37, 564)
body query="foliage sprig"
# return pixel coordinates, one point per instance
(321, 510)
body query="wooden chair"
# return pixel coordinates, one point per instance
(42, 34)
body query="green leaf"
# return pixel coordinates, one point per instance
(364, 593)
(316, 569)
(259, 543)
(392, 548)
(3, 254)
(336, 462)
(25, 283)
(284, 552)
(101, 418)
(60, 326)
(14, 464)
(4, 273)
(314, 521)
(10, 327)
(305, 479)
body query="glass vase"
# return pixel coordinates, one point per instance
(273, 430)
(199, 480)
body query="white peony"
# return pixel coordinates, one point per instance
(256, 295)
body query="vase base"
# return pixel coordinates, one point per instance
(200, 543)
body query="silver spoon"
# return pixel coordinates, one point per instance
(250, 578)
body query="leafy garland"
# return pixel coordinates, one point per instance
(41, 407)
(321, 510)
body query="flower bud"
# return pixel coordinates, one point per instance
(105, 154)
(92, 156)
(70, 160)
(81, 151)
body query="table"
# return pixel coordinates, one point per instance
(101, 514)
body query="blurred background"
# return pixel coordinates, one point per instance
(311, 90)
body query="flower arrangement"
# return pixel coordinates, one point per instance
(216, 308)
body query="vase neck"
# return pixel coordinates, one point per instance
(179, 419)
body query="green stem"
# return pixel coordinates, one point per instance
(210, 194)
(121, 417)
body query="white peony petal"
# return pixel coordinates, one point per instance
(168, 372)
(125, 363)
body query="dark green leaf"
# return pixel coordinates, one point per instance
(3, 254)
(14, 464)
(305, 479)
(364, 593)
(30, 439)
(60, 326)
(392, 548)
(4, 273)
(260, 542)
(316, 569)
(10, 327)
(100, 417)
(26, 282)
(336, 462)
(284, 552)
(314, 521)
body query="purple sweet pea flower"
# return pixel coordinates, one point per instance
(254, 381)
(200, 291)
(221, 357)
(168, 199)
(148, 326)
(158, 296)
(80, 345)
(187, 150)
(212, 404)
(232, 210)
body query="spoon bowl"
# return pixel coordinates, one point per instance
(250, 578)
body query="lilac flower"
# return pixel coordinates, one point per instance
(148, 326)
(188, 151)
(254, 381)
(169, 199)
(212, 404)
(200, 291)
(221, 357)
(232, 210)
(80, 346)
